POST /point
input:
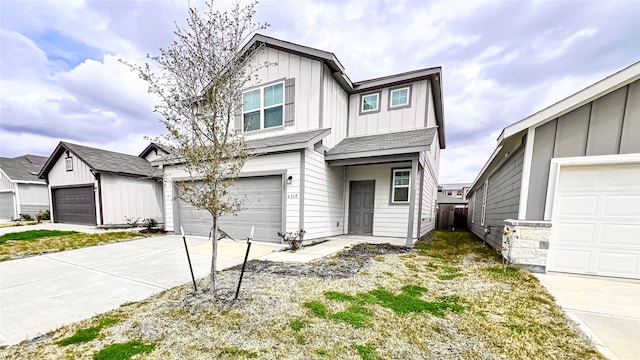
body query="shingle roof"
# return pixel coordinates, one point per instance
(446, 199)
(296, 138)
(103, 160)
(392, 143)
(20, 168)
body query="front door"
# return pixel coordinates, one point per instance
(361, 207)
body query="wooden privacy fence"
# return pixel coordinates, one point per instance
(449, 216)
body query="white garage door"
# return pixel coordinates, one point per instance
(262, 198)
(6, 206)
(596, 221)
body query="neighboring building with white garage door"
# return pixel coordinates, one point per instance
(21, 191)
(329, 155)
(564, 183)
(92, 186)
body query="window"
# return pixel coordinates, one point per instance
(263, 107)
(484, 202)
(399, 97)
(68, 164)
(369, 103)
(473, 208)
(400, 185)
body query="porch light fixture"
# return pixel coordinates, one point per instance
(289, 179)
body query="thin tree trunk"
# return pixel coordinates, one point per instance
(214, 254)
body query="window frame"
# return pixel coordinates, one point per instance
(401, 106)
(378, 94)
(68, 164)
(392, 200)
(261, 108)
(485, 191)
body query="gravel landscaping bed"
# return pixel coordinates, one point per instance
(448, 299)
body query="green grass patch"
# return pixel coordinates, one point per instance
(236, 352)
(297, 325)
(86, 335)
(124, 351)
(411, 266)
(334, 295)
(449, 276)
(366, 351)
(317, 308)
(32, 235)
(321, 352)
(509, 271)
(356, 315)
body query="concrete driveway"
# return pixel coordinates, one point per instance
(41, 293)
(606, 309)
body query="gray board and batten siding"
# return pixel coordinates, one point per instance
(503, 199)
(608, 125)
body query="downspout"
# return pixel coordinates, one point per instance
(99, 178)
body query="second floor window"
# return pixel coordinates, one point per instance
(399, 98)
(68, 164)
(263, 107)
(369, 103)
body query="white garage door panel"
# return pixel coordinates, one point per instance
(596, 221)
(576, 233)
(262, 202)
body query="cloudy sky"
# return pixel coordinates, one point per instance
(501, 60)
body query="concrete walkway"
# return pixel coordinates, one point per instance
(41, 293)
(607, 310)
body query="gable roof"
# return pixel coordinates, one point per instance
(607, 85)
(22, 168)
(104, 161)
(433, 74)
(394, 143)
(155, 147)
(510, 137)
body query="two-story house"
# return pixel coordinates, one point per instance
(333, 156)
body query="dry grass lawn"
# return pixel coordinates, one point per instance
(445, 299)
(23, 248)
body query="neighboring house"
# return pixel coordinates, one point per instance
(99, 187)
(21, 191)
(458, 190)
(566, 183)
(154, 152)
(452, 212)
(332, 156)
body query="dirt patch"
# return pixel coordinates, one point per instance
(344, 265)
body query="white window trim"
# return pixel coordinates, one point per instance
(473, 208)
(394, 186)
(484, 202)
(68, 164)
(377, 108)
(262, 108)
(391, 106)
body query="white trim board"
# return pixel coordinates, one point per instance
(557, 163)
(526, 174)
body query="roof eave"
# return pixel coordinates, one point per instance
(375, 153)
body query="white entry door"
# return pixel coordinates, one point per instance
(596, 221)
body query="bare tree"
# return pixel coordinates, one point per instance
(199, 80)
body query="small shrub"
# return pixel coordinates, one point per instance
(26, 217)
(150, 223)
(124, 351)
(132, 221)
(294, 239)
(43, 215)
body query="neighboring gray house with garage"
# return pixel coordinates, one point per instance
(21, 191)
(98, 187)
(565, 183)
(331, 156)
